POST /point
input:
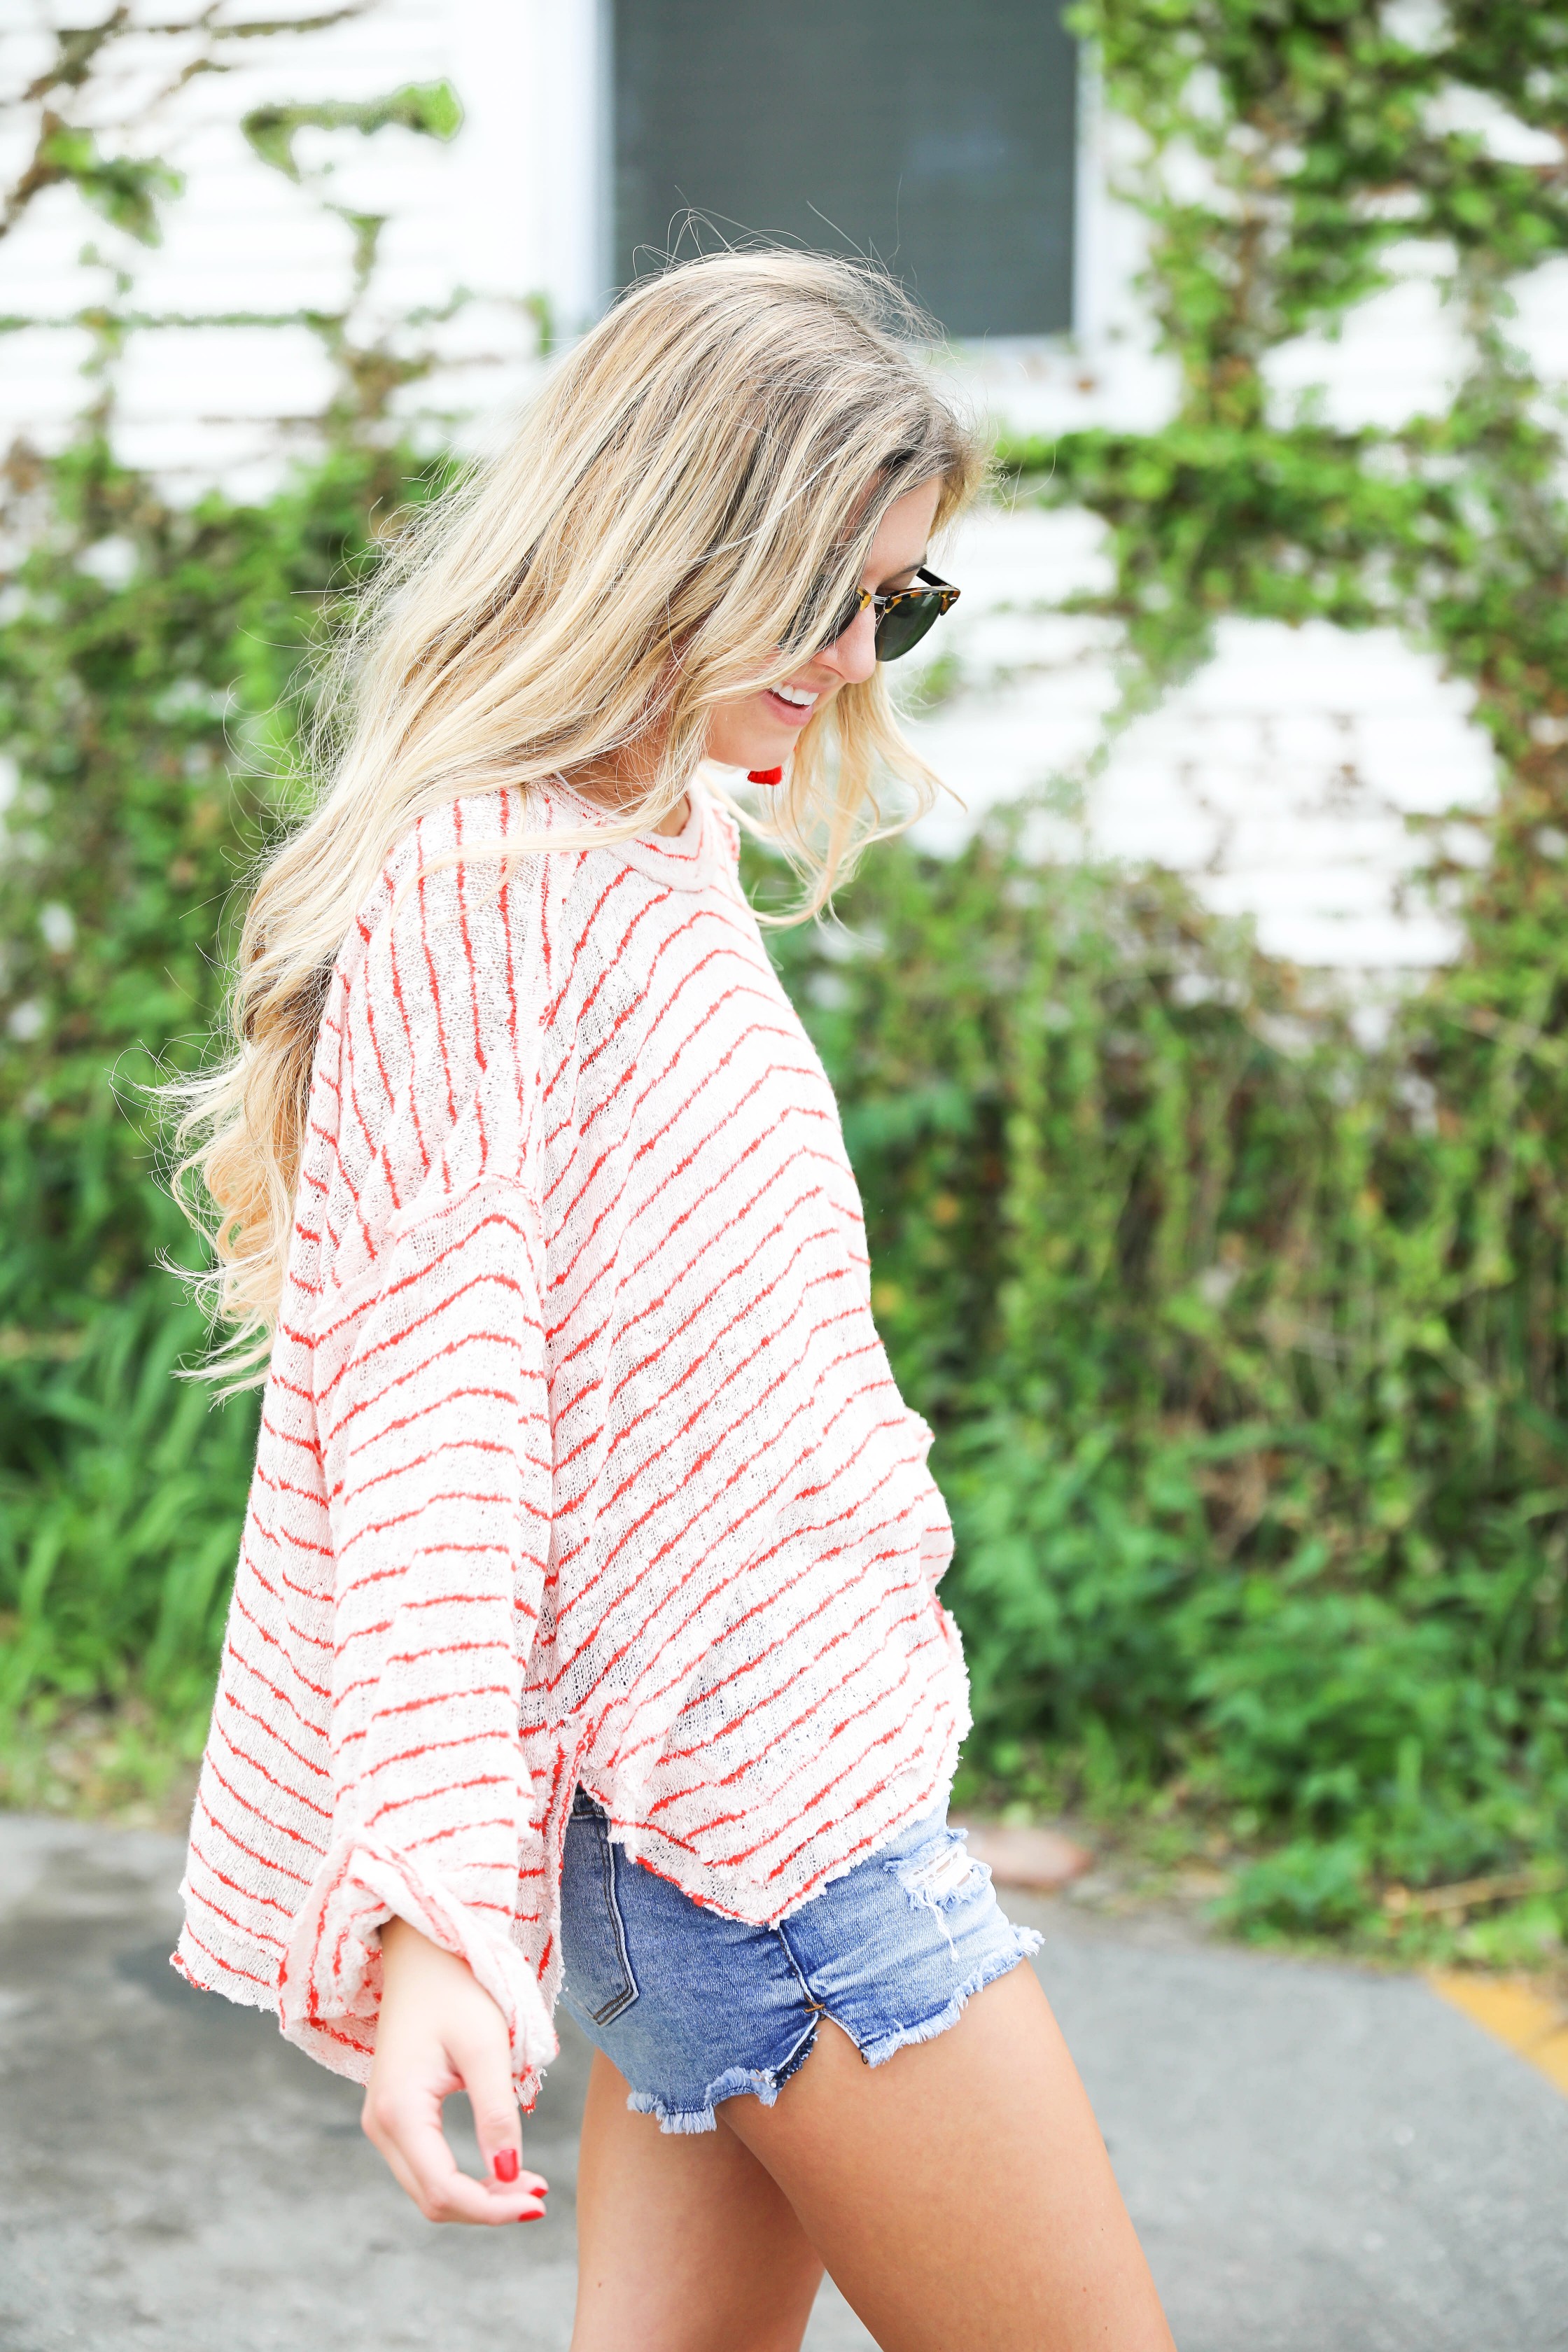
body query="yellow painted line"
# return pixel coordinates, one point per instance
(1530, 2022)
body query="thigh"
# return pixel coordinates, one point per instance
(960, 2193)
(684, 2241)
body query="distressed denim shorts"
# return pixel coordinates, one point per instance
(694, 2008)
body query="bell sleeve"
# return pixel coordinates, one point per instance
(430, 1397)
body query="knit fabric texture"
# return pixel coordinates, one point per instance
(581, 1459)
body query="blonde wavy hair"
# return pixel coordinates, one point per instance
(673, 523)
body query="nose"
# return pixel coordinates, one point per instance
(853, 656)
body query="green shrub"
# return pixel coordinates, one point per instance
(150, 723)
(1233, 1387)
(1304, 1889)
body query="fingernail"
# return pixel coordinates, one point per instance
(504, 2164)
(531, 2217)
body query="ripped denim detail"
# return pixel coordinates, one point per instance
(938, 1881)
(933, 1881)
(736, 2081)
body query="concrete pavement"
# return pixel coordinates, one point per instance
(1318, 2159)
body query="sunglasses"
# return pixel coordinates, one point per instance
(903, 614)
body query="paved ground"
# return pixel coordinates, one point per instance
(1319, 2160)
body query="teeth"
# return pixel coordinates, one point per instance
(797, 695)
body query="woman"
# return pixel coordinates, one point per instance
(585, 1638)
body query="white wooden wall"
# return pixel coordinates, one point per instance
(1284, 779)
(1300, 778)
(511, 208)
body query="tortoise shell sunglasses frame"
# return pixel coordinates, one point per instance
(903, 614)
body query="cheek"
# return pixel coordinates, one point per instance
(749, 734)
(733, 727)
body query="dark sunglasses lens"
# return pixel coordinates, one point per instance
(905, 624)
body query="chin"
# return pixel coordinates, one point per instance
(760, 757)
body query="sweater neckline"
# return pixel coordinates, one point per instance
(691, 859)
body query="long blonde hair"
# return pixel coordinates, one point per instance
(674, 524)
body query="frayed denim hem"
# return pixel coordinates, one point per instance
(759, 2083)
(766, 2082)
(1026, 1942)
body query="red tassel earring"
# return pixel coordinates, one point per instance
(764, 775)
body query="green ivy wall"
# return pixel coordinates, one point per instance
(1244, 1343)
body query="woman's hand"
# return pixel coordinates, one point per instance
(440, 2032)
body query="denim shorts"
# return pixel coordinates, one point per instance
(694, 2008)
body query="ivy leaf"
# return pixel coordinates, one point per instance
(123, 188)
(430, 108)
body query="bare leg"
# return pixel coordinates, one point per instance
(960, 2194)
(684, 2244)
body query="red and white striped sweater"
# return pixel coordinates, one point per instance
(579, 1457)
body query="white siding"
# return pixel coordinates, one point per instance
(1300, 778)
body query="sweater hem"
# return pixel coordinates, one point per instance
(735, 1897)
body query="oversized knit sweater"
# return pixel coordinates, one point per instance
(581, 1461)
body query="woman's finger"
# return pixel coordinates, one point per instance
(484, 2062)
(408, 2134)
(391, 2157)
(406, 2128)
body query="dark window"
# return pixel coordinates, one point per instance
(934, 134)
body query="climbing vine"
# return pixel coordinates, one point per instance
(1244, 1343)
(1395, 1603)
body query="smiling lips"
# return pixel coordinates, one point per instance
(794, 704)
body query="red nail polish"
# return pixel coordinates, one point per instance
(764, 775)
(505, 2164)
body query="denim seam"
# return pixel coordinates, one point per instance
(621, 2001)
(818, 2008)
